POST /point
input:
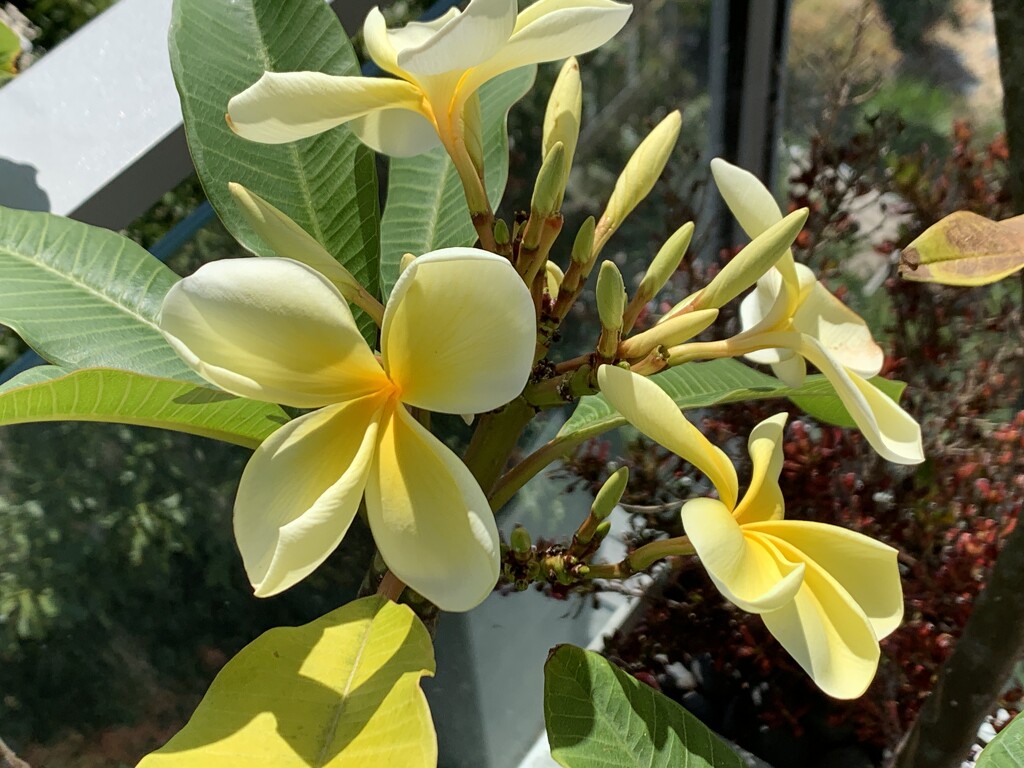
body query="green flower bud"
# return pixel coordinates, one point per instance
(752, 262)
(610, 494)
(547, 192)
(638, 177)
(501, 233)
(666, 262)
(584, 243)
(611, 296)
(602, 530)
(519, 541)
(473, 133)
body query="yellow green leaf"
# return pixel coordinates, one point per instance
(10, 50)
(965, 249)
(340, 692)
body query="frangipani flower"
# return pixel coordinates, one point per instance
(827, 594)
(440, 65)
(458, 337)
(791, 317)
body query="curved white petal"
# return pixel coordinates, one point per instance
(379, 44)
(840, 330)
(464, 41)
(827, 634)
(270, 329)
(649, 408)
(431, 521)
(416, 33)
(285, 106)
(459, 332)
(763, 499)
(749, 574)
(866, 569)
(888, 428)
(396, 132)
(551, 30)
(293, 507)
(748, 199)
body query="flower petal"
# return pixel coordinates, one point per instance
(840, 330)
(285, 106)
(396, 132)
(416, 33)
(763, 499)
(827, 634)
(748, 199)
(747, 573)
(551, 30)
(431, 521)
(648, 407)
(270, 329)
(464, 41)
(865, 568)
(293, 507)
(459, 332)
(888, 428)
(791, 370)
(287, 239)
(378, 43)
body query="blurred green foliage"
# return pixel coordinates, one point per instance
(57, 20)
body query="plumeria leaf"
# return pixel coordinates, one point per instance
(598, 716)
(340, 692)
(965, 249)
(327, 183)
(426, 206)
(1006, 750)
(818, 399)
(82, 296)
(50, 393)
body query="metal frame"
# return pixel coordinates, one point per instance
(93, 131)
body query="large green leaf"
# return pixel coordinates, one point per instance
(597, 716)
(83, 296)
(340, 692)
(1006, 750)
(426, 207)
(49, 393)
(326, 183)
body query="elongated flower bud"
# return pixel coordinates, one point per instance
(611, 301)
(662, 268)
(501, 233)
(473, 132)
(554, 277)
(584, 243)
(610, 494)
(563, 115)
(638, 177)
(752, 262)
(611, 296)
(673, 331)
(547, 192)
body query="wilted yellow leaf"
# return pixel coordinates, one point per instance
(965, 249)
(342, 691)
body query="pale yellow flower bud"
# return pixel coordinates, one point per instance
(638, 177)
(472, 122)
(583, 246)
(554, 276)
(752, 262)
(611, 301)
(563, 115)
(406, 262)
(547, 192)
(673, 331)
(662, 268)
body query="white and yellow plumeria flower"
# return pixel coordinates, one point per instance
(440, 65)
(826, 593)
(458, 337)
(791, 317)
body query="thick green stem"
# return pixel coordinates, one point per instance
(642, 559)
(528, 468)
(494, 440)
